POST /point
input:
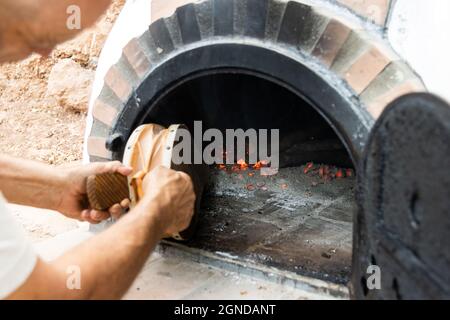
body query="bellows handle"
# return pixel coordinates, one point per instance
(105, 190)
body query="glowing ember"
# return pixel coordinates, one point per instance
(258, 165)
(242, 164)
(327, 172)
(322, 172)
(309, 166)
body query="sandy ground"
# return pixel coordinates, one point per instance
(42, 224)
(33, 125)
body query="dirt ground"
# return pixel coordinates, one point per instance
(34, 125)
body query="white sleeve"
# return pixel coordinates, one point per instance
(17, 255)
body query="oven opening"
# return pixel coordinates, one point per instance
(299, 220)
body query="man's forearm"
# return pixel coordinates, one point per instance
(108, 262)
(30, 183)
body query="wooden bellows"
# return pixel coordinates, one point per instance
(107, 189)
(149, 146)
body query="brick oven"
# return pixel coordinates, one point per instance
(320, 71)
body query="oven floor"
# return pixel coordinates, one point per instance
(292, 221)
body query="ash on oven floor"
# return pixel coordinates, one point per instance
(292, 221)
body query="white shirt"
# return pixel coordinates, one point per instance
(17, 255)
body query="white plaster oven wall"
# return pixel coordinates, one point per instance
(419, 31)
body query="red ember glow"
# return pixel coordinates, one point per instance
(242, 164)
(309, 166)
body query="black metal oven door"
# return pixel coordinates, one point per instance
(401, 245)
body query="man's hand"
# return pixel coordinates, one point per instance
(73, 201)
(173, 194)
(166, 208)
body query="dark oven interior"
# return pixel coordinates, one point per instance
(299, 220)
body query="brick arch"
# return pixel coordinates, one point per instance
(325, 40)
